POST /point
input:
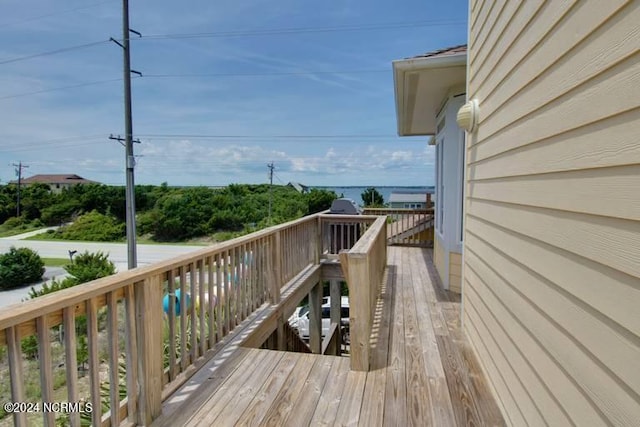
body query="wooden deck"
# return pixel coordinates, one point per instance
(423, 371)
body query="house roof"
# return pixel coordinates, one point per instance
(57, 179)
(301, 188)
(422, 83)
(454, 50)
(408, 197)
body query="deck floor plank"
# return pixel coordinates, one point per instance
(327, 407)
(441, 408)
(396, 389)
(290, 391)
(238, 405)
(262, 401)
(310, 395)
(351, 401)
(224, 395)
(423, 369)
(418, 393)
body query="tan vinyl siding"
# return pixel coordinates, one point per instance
(439, 259)
(552, 240)
(455, 272)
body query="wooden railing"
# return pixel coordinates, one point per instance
(147, 330)
(408, 227)
(340, 232)
(363, 267)
(139, 335)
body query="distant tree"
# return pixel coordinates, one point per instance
(372, 198)
(320, 200)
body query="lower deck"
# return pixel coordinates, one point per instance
(423, 370)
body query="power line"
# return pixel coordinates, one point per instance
(259, 137)
(54, 52)
(286, 73)
(299, 30)
(36, 18)
(53, 89)
(146, 76)
(265, 32)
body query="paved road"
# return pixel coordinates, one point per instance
(147, 254)
(16, 295)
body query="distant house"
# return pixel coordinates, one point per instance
(300, 188)
(56, 183)
(409, 200)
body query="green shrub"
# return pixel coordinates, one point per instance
(20, 267)
(14, 222)
(93, 226)
(90, 266)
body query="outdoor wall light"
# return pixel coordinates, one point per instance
(468, 116)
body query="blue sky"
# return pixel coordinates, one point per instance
(283, 81)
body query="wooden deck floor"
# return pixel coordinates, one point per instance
(423, 371)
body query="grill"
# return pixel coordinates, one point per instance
(345, 207)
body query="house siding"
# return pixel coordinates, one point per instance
(551, 264)
(455, 271)
(439, 259)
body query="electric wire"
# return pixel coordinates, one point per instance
(54, 89)
(300, 30)
(54, 52)
(37, 18)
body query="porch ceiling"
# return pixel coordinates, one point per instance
(421, 84)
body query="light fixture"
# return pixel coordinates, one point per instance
(468, 116)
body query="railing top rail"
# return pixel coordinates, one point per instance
(348, 218)
(407, 210)
(366, 242)
(16, 314)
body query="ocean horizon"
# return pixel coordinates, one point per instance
(354, 192)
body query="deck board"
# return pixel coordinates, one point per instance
(423, 370)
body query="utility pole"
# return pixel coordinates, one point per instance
(271, 167)
(128, 137)
(19, 168)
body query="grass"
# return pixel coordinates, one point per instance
(55, 262)
(46, 236)
(14, 231)
(147, 241)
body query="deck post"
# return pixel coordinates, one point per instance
(359, 282)
(276, 282)
(318, 240)
(281, 340)
(315, 318)
(336, 311)
(148, 295)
